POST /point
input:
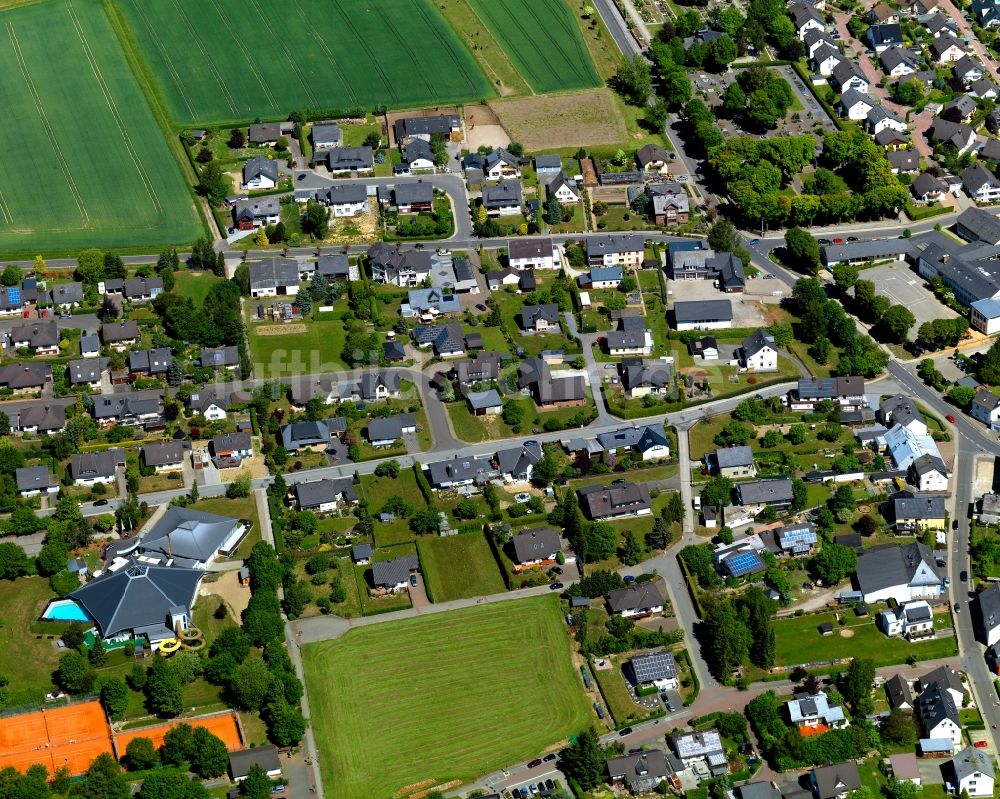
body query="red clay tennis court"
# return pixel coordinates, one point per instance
(222, 725)
(72, 736)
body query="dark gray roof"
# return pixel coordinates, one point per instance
(335, 265)
(188, 533)
(732, 457)
(458, 470)
(637, 597)
(390, 427)
(836, 779)
(89, 465)
(304, 434)
(907, 505)
(370, 382)
(548, 312)
(161, 453)
(349, 158)
(134, 403)
(977, 176)
(934, 705)
(216, 357)
(33, 477)
(944, 676)
(343, 193)
(970, 761)
(758, 790)
(988, 600)
(260, 165)
(273, 272)
(327, 133)
(603, 502)
(536, 543)
(25, 375)
(66, 293)
(764, 491)
(232, 442)
(598, 246)
(319, 492)
(413, 193)
(264, 756)
(417, 149)
(703, 311)
(120, 331)
(388, 573)
(898, 691)
(416, 126)
(86, 370)
(503, 194)
(981, 223)
(155, 361)
(890, 565)
(641, 771)
(516, 460)
(137, 595)
(362, 551)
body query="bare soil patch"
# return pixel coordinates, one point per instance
(846, 633)
(578, 119)
(280, 330)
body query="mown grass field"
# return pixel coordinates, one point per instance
(86, 163)
(440, 697)
(542, 40)
(315, 350)
(293, 54)
(459, 566)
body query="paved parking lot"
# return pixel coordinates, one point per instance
(904, 286)
(746, 312)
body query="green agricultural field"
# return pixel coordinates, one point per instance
(446, 696)
(542, 40)
(458, 566)
(87, 164)
(219, 60)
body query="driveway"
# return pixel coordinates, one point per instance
(418, 594)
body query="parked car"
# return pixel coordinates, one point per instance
(838, 240)
(413, 580)
(556, 586)
(964, 575)
(536, 762)
(556, 570)
(480, 306)
(979, 744)
(100, 502)
(549, 758)
(824, 241)
(625, 731)
(754, 242)
(549, 784)
(958, 608)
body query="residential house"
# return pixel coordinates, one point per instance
(500, 165)
(342, 160)
(135, 409)
(805, 19)
(706, 348)
(539, 318)
(938, 715)
(702, 748)
(266, 757)
(692, 260)
(482, 368)
(517, 464)
(533, 253)
(986, 13)
(648, 440)
(631, 338)
(981, 184)
(835, 781)
(601, 277)
(230, 449)
(984, 89)
(814, 40)
(848, 76)
(637, 599)
(847, 391)
(988, 508)
(548, 390)
(408, 128)
(547, 165)
(324, 496)
(968, 70)
(46, 416)
(619, 249)
(264, 134)
(220, 357)
(90, 344)
(986, 408)
(703, 315)
(213, 403)
(392, 576)
(448, 341)
(87, 373)
(880, 119)
(898, 692)
(165, 456)
(891, 139)
(758, 353)
(919, 512)
(255, 212)
(503, 199)
(946, 49)
(413, 197)
(91, 468)
(911, 620)
(496, 279)
(668, 203)
(972, 768)
(733, 462)
(461, 471)
(977, 225)
(826, 58)
(386, 431)
(327, 135)
(615, 501)
(40, 336)
(903, 573)
(855, 106)
(947, 678)
(882, 37)
(986, 615)
(25, 378)
(564, 189)
(927, 188)
(274, 277)
(537, 546)
(344, 200)
(391, 265)
(484, 403)
(311, 435)
(337, 268)
(881, 14)
(774, 493)
(795, 539)
(33, 481)
(897, 62)
(906, 162)
(65, 296)
(653, 160)
(902, 410)
(260, 172)
(813, 714)
(640, 377)
(418, 156)
(361, 554)
(640, 772)
(952, 134)
(655, 669)
(430, 303)
(150, 363)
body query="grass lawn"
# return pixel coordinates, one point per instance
(408, 57)
(459, 566)
(493, 340)
(429, 695)
(797, 640)
(474, 429)
(616, 694)
(117, 184)
(194, 284)
(313, 351)
(26, 659)
(372, 605)
(379, 489)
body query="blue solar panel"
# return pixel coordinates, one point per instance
(795, 538)
(744, 563)
(13, 295)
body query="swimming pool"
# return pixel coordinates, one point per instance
(64, 610)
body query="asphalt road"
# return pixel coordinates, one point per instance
(616, 26)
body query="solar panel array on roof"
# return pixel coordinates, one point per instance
(799, 541)
(14, 295)
(654, 666)
(743, 563)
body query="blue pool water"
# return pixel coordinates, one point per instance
(64, 610)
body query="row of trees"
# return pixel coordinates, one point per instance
(735, 630)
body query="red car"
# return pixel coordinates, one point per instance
(951, 419)
(979, 744)
(838, 240)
